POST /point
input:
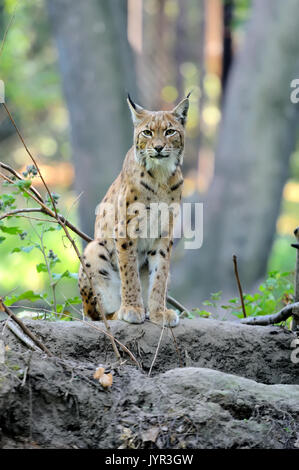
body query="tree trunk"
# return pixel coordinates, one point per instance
(97, 70)
(257, 136)
(227, 55)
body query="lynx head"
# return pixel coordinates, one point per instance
(159, 136)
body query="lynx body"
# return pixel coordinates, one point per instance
(129, 269)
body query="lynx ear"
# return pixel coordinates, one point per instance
(181, 110)
(137, 111)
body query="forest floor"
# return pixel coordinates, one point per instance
(218, 385)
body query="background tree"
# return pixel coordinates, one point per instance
(97, 70)
(257, 136)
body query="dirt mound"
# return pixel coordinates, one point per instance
(219, 384)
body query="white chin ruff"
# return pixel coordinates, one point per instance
(163, 167)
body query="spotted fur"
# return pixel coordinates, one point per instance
(130, 273)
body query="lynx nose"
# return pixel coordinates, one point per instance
(159, 148)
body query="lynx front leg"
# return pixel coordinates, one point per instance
(131, 309)
(159, 260)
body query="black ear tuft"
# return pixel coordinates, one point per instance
(131, 102)
(189, 94)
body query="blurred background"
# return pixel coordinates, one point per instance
(67, 67)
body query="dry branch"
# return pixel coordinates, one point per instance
(12, 326)
(176, 304)
(282, 315)
(20, 211)
(239, 285)
(295, 321)
(7, 310)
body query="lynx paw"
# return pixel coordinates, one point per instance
(131, 314)
(167, 317)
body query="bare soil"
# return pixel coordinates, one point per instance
(213, 385)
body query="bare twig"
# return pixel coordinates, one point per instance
(176, 347)
(7, 28)
(43, 250)
(92, 325)
(7, 310)
(32, 158)
(295, 321)
(282, 315)
(239, 285)
(20, 211)
(176, 304)
(26, 370)
(157, 350)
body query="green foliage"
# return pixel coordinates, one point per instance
(47, 261)
(28, 62)
(241, 13)
(200, 313)
(272, 295)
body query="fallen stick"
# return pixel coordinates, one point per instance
(12, 326)
(26, 330)
(282, 315)
(176, 304)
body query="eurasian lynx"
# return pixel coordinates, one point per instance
(129, 269)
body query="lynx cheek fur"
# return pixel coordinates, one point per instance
(130, 272)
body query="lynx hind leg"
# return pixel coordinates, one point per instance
(105, 280)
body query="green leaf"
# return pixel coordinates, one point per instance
(23, 184)
(216, 295)
(10, 230)
(28, 295)
(41, 268)
(2, 239)
(25, 249)
(202, 313)
(74, 301)
(66, 274)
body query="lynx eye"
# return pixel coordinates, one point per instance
(170, 132)
(147, 133)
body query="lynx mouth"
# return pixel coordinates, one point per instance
(159, 156)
